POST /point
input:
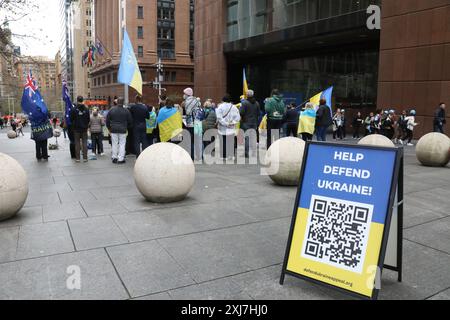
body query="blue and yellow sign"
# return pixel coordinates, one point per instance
(343, 208)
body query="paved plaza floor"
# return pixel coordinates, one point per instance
(225, 241)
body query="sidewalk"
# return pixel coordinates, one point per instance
(226, 241)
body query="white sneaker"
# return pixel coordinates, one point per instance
(400, 141)
(102, 155)
(410, 145)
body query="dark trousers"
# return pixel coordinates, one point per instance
(81, 144)
(140, 138)
(71, 136)
(291, 129)
(97, 143)
(307, 137)
(227, 146)
(356, 130)
(409, 135)
(151, 138)
(41, 150)
(438, 128)
(273, 129)
(191, 133)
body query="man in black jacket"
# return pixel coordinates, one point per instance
(439, 118)
(80, 119)
(118, 121)
(323, 120)
(139, 113)
(250, 110)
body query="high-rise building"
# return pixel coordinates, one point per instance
(157, 29)
(303, 47)
(81, 26)
(44, 72)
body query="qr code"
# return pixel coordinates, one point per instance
(337, 233)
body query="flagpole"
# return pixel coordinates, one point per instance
(123, 24)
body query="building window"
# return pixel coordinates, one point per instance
(166, 29)
(140, 32)
(140, 51)
(115, 77)
(140, 14)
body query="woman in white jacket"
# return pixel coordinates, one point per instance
(411, 123)
(228, 117)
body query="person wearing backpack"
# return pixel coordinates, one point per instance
(80, 118)
(275, 109)
(402, 124)
(210, 121)
(249, 122)
(387, 126)
(191, 105)
(228, 117)
(411, 124)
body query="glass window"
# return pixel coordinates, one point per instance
(254, 17)
(140, 14)
(140, 33)
(140, 51)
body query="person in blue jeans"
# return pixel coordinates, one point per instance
(323, 120)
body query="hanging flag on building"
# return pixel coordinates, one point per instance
(129, 72)
(67, 102)
(100, 48)
(34, 107)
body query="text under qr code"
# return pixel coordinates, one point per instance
(337, 233)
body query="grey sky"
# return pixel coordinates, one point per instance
(44, 25)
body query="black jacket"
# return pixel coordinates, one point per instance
(250, 111)
(139, 113)
(439, 116)
(323, 118)
(119, 120)
(80, 118)
(291, 116)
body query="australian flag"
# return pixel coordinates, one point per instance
(34, 107)
(67, 102)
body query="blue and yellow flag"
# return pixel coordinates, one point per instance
(327, 94)
(170, 123)
(307, 122)
(245, 90)
(129, 72)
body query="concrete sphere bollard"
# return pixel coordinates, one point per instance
(284, 161)
(13, 187)
(164, 173)
(433, 150)
(376, 140)
(56, 133)
(11, 134)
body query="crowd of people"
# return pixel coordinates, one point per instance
(131, 129)
(16, 123)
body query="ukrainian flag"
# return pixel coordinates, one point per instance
(170, 123)
(245, 86)
(129, 72)
(327, 94)
(307, 122)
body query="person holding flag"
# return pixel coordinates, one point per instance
(35, 108)
(67, 122)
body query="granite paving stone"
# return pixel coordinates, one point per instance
(96, 232)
